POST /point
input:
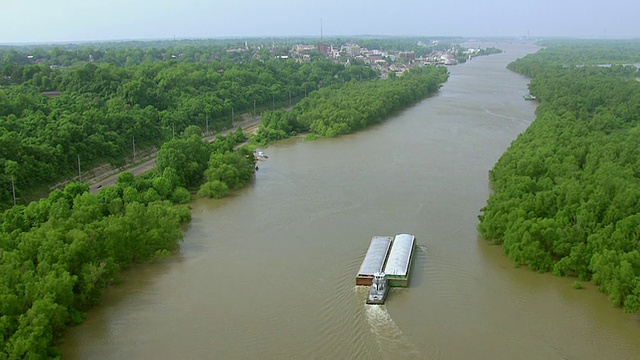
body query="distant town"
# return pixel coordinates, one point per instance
(386, 62)
(386, 57)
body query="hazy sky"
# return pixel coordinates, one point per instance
(87, 20)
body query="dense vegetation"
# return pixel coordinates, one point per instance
(567, 192)
(590, 52)
(344, 108)
(129, 53)
(132, 96)
(58, 254)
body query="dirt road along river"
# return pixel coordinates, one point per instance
(141, 168)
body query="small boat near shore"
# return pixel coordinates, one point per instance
(260, 155)
(529, 97)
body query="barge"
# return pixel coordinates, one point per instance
(387, 264)
(398, 263)
(374, 260)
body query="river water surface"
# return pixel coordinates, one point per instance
(269, 273)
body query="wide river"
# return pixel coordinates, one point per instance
(269, 273)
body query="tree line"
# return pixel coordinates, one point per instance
(566, 194)
(344, 108)
(129, 53)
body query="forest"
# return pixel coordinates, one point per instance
(566, 194)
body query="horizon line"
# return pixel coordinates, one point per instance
(233, 37)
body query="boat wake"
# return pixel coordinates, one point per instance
(392, 342)
(519, 120)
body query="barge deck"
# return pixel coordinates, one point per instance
(398, 263)
(374, 260)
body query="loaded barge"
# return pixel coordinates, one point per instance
(398, 263)
(386, 264)
(374, 260)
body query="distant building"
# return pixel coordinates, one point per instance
(351, 50)
(408, 55)
(376, 59)
(304, 49)
(323, 48)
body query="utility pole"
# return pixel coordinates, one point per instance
(273, 101)
(254, 108)
(13, 189)
(134, 148)
(289, 97)
(207, 120)
(232, 115)
(79, 172)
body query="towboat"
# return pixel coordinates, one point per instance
(379, 289)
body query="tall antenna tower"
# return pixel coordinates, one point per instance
(320, 29)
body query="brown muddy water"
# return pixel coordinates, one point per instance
(269, 273)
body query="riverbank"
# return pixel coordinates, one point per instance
(572, 198)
